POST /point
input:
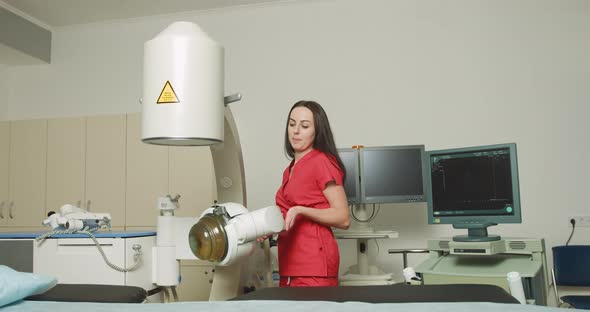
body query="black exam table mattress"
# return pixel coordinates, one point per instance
(386, 294)
(92, 293)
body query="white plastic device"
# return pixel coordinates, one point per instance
(75, 218)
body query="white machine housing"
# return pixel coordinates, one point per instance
(74, 218)
(183, 97)
(183, 103)
(243, 227)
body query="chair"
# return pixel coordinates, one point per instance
(571, 267)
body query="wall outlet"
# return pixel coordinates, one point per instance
(580, 220)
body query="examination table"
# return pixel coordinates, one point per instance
(396, 293)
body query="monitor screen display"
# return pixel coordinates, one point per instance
(473, 188)
(392, 174)
(350, 159)
(476, 182)
(472, 183)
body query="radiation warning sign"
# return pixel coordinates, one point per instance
(168, 96)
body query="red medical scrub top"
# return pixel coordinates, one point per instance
(308, 248)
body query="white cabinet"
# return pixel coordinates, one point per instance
(86, 164)
(192, 176)
(28, 154)
(105, 166)
(4, 170)
(77, 260)
(147, 176)
(154, 171)
(100, 163)
(66, 153)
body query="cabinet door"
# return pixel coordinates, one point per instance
(192, 176)
(66, 149)
(78, 261)
(105, 166)
(147, 176)
(28, 155)
(142, 275)
(195, 282)
(4, 169)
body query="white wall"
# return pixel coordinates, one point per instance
(444, 74)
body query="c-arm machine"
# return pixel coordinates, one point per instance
(183, 104)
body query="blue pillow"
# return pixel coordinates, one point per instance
(16, 285)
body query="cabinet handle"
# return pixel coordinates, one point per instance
(2, 210)
(10, 206)
(88, 202)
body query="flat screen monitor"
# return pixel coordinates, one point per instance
(350, 159)
(393, 174)
(473, 188)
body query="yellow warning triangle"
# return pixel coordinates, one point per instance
(168, 95)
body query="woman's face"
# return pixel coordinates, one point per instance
(301, 129)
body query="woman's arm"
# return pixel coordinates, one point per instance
(337, 215)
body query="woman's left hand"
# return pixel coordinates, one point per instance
(292, 214)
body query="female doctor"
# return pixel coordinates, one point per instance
(312, 200)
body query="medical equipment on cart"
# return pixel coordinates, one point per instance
(183, 104)
(74, 218)
(223, 234)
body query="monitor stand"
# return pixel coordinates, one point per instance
(364, 273)
(476, 232)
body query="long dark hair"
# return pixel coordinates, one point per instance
(323, 140)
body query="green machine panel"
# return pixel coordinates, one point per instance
(445, 268)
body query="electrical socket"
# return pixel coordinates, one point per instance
(580, 220)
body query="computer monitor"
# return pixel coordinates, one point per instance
(350, 159)
(473, 188)
(392, 174)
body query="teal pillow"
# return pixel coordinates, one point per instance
(16, 285)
